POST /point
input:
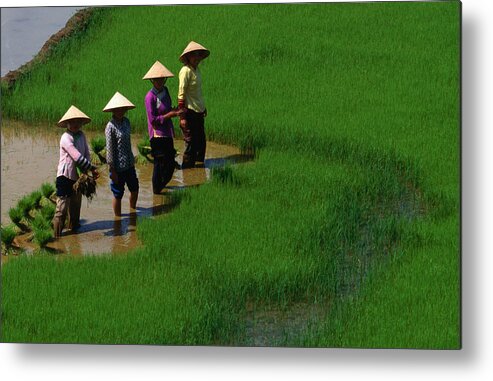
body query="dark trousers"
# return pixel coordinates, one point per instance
(68, 204)
(163, 153)
(194, 136)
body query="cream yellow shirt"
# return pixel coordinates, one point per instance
(190, 89)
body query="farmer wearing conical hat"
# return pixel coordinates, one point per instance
(119, 156)
(160, 126)
(74, 156)
(191, 100)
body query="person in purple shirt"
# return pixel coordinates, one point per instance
(160, 126)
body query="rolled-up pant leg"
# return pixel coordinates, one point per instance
(61, 211)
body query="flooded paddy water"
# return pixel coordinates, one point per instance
(29, 157)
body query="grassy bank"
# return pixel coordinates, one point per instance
(353, 200)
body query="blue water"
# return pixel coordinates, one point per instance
(25, 30)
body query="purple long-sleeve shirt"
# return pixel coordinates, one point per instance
(157, 104)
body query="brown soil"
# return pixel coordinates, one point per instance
(77, 22)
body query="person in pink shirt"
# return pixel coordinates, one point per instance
(74, 158)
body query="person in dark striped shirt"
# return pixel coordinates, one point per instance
(119, 156)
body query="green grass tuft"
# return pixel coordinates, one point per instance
(16, 215)
(225, 175)
(8, 234)
(98, 143)
(47, 190)
(42, 236)
(48, 211)
(36, 198)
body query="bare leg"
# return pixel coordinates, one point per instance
(117, 206)
(133, 199)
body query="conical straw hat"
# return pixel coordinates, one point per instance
(193, 47)
(158, 70)
(73, 113)
(118, 101)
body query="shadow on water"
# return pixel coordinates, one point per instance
(232, 159)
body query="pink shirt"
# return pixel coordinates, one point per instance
(74, 152)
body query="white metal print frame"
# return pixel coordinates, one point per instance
(242, 175)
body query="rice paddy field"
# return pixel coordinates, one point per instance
(343, 232)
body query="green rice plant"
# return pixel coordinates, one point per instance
(48, 211)
(225, 175)
(8, 234)
(16, 215)
(42, 236)
(98, 145)
(25, 205)
(40, 222)
(42, 229)
(144, 148)
(36, 198)
(47, 189)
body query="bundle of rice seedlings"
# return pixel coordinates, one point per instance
(144, 147)
(47, 190)
(86, 185)
(40, 222)
(25, 205)
(98, 145)
(42, 230)
(48, 211)
(15, 215)
(36, 198)
(8, 234)
(42, 236)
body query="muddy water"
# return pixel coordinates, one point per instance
(29, 157)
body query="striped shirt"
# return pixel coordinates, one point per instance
(190, 89)
(74, 153)
(118, 146)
